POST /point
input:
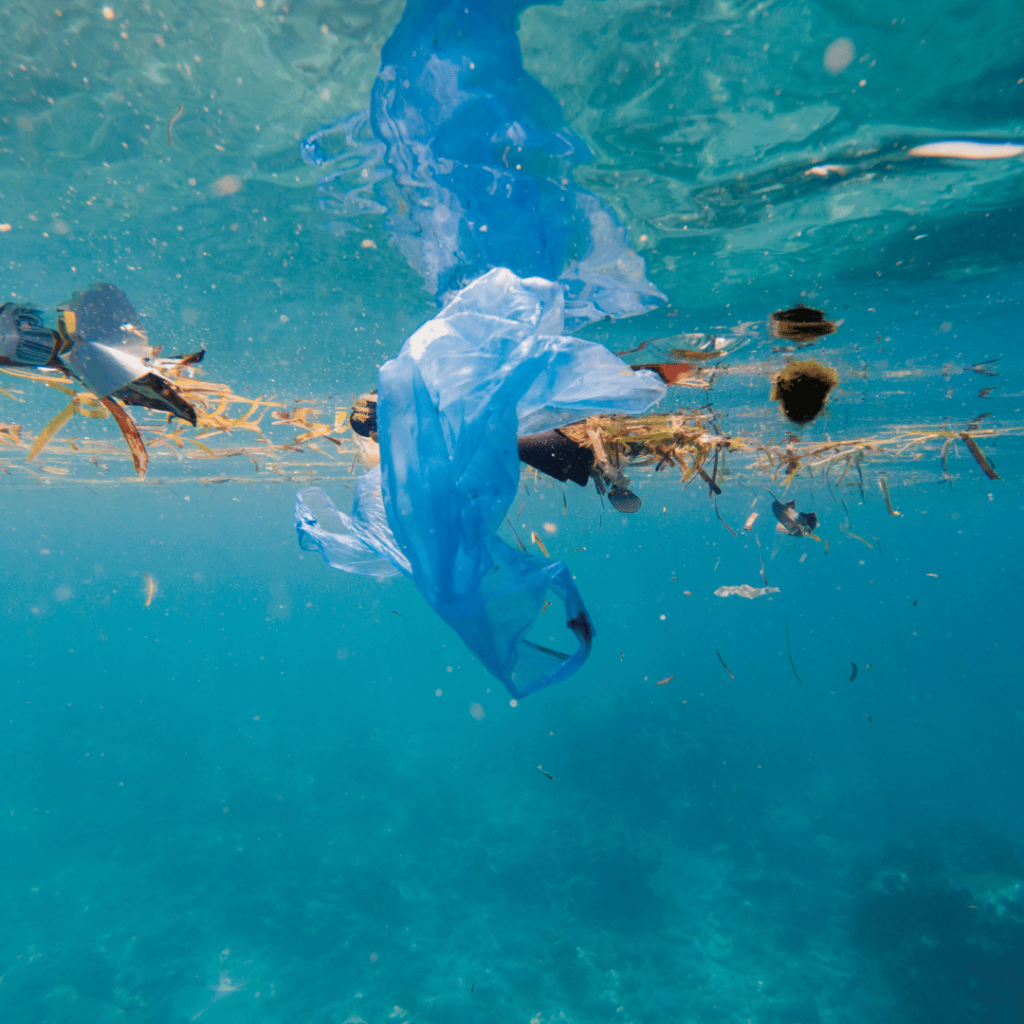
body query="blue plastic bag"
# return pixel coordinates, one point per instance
(481, 165)
(492, 364)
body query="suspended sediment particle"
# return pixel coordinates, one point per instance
(801, 323)
(802, 387)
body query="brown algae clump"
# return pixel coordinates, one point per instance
(802, 324)
(802, 387)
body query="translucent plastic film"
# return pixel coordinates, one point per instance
(493, 363)
(481, 165)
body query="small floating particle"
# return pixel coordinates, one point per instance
(150, 585)
(477, 711)
(934, 575)
(541, 770)
(667, 679)
(4, 228)
(227, 185)
(824, 170)
(750, 520)
(839, 55)
(367, 243)
(108, 13)
(853, 675)
(536, 540)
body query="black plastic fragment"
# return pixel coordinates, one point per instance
(558, 456)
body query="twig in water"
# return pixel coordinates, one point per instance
(714, 501)
(789, 651)
(522, 546)
(946, 475)
(726, 667)
(170, 124)
(760, 554)
(885, 494)
(979, 458)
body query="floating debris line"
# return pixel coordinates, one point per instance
(314, 439)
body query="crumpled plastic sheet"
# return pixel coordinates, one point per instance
(492, 364)
(481, 165)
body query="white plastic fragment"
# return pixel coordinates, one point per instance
(962, 149)
(745, 590)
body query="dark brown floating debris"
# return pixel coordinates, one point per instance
(789, 653)
(726, 667)
(984, 368)
(796, 524)
(801, 388)
(363, 417)
(801, 323)
(979, 458)
(853, 675)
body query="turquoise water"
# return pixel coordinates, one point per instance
(279, 793)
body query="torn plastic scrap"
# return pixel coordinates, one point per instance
(745, 590)
(491, 365)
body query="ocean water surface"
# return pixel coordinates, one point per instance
(241, 787)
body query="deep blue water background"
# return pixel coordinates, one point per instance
(248, 802)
